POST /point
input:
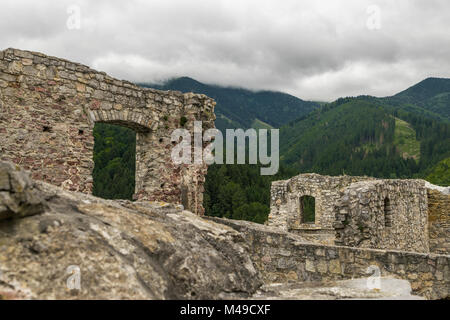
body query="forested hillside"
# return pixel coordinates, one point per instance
(440, 173)
(431, 94)
(240, 192)
(404, 136)
(356, 136)
(241, 108)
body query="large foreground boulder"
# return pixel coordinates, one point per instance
(18, 195)
(59, 245)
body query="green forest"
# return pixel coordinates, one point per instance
(239, 191)
(358, 137)
(114, 161)
(403, 136)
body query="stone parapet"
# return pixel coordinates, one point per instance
(283, 257)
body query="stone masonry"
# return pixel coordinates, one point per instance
(383, 214)
(407, 215)
(286, 212)
(48, 108)
(284, 257)
(439, 221)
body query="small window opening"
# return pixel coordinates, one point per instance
(114, 171)
(387, 212)
(308, 209)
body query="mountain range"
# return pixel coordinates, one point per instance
(406, 135)
(431, 94)
(241, 108)
(397, 136)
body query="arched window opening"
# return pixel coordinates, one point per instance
(308, 209)
(114, 161)
(387, 213)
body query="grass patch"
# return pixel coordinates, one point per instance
(258, 124)
(405, 140)
(440, 173)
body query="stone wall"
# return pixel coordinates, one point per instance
(360, 212)
(283, 257)
(48, 108)
(439, 221)
(285, 208)
(383, 214)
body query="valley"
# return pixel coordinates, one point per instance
(403, 136)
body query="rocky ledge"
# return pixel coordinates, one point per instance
(56, 244)
(117, 249)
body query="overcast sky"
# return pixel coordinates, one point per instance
(314, 49)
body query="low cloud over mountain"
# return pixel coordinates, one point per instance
(311, 49)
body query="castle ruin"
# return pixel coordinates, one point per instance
(48, 108)
(407, 215)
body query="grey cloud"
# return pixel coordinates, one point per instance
(313, 49)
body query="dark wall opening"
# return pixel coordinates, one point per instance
(308, 209)
(114, 161)
(387, 213)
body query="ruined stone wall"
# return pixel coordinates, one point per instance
(282, 257)
(48, 107)
(383, 214)
(439, 221)
(285, 212)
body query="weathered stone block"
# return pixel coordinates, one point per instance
(7, 77)
(335, 266)
(309, 266)
(322, 267)
(292, 275)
